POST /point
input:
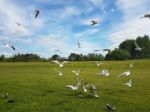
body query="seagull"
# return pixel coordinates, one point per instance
(129, 83)
(73, 87)
(96, 50)
(137, 48)
(146, 16)
(18, 24)
(98, 63)
(93, 90)
(108, 50)
(79, 45)
(110, 108)
(84, 86)
(93, 22)
(59, 63)
(37, 12)
(9, 46)
(126, 73)
(59, 73)
(131, 65)
(104, 72)
(77, 72)
(4, 96)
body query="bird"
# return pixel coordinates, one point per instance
(93, 91)
(79, 45)
(4, 96)
(131, 65)
(104, 72)
(61, 64)
(93, 22)
(77, 72)
(126, 73)
(37, 12)
(137, 48)
(84, 86)
(108, 50)
(129, 83)
(59, 73)
(96, 50)
(18, 24)
(76, 87)
(110, 108)
(9, 46)
(146, 16)
(98, 63)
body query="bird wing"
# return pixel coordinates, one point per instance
(65, 62)
(56, 62)
(136, 44)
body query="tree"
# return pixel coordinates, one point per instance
(55, 57)
(95, 57)
(118, 54)
(2, 58)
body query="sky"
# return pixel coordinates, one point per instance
(62, 23)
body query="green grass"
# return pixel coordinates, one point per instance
(36, 87)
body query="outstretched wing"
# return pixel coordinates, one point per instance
(55, 61)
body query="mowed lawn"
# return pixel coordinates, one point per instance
(36, 87)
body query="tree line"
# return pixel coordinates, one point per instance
(126, 50)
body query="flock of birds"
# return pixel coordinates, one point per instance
(80, 83)
(85, 88)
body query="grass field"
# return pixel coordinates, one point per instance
(36, 87)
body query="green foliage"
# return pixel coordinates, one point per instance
(118, 54)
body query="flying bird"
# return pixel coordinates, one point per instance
(77, 72)
(93, 22)
(79, 45)
(129, 83)
(37, 12)
(131, 65)
(110, 108)
(104, 72)
(76, 87)
(61, 64)
(9, 46)
(93, 91)
(59, 73)
(98, 63)
(146, 16)
(4, 96)
(126, 73)
(108, 50)
(18, 24)
(137, 48)
(85, 86)
(58, 51)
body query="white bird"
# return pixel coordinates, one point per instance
(126, 73)
(59, 73)
(37, 12)
(76, 87)
(85, 86)
(77, 72)
(137, 48)
(4, 96)
(98, 63)
(61, 64)
(131, 65)
(94, 91)
(9, 46)
(110, 108)
(129, 83)
(104, 72)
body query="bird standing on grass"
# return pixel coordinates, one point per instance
(98, 63)
(59, 73)
(110, 108)
(129, 83)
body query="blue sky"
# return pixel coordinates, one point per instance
(62, 23)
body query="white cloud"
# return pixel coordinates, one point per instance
(131, 25)
(96, 2)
